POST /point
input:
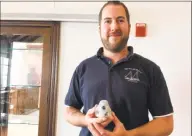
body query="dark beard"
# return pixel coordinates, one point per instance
(119, 47)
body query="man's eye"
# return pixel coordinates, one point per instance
(121, 20)
(107, 21)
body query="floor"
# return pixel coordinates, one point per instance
(23, 125)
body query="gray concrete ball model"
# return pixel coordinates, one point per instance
(103, 109)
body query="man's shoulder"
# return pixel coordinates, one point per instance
(86, 62)
(145, 61)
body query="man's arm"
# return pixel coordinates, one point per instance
(74, 116)
(161, 126)
(158, 127)
(77, 118)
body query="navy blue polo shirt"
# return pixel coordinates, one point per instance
(132, 86)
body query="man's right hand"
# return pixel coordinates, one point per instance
(90, 118)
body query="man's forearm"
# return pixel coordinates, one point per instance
(158, 127)
(75, 117)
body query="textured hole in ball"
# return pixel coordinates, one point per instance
(106, 113)
(103, 107)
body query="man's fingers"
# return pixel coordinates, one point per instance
(97, 120)
(109, 119)
(101, 130)
(91, 111)
(111, 116)
(99, 127)
(93, 130)
(116, 120)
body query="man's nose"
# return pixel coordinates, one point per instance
(114, 26)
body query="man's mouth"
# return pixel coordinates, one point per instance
(115, 34)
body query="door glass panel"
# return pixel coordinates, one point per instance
(21, 65)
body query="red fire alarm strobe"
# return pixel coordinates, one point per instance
(141, 29)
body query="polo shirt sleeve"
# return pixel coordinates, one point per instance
(73, 97)
(159, 102)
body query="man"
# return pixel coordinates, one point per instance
(130, 83)
(33, 77)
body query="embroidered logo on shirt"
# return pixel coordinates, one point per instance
(132, 75)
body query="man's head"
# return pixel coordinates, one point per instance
(32, 69)
(114, 26)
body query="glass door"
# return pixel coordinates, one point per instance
(26, 73)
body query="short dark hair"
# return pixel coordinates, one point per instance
(114, 3)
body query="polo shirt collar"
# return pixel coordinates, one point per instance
(100, 52)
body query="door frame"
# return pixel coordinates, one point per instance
(50, 64)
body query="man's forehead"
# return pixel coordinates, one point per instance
(119, 17)
(113, 12)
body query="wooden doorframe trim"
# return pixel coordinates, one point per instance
(54, 43)
(27, 23)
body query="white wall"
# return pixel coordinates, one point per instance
(168, 43)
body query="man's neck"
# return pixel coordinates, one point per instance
(115, 57)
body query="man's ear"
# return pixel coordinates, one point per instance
(129, 26)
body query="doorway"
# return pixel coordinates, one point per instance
(29, 64)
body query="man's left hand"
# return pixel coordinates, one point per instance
(119, 129)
